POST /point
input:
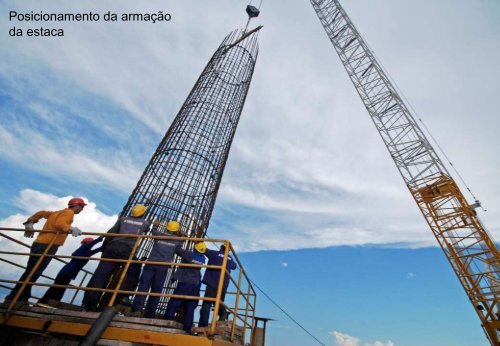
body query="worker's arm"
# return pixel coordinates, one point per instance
(39, 215)
(211, 254)
(231, 264)
(115, 229)
(28, 224)
(155, 231)
(93, 252)
(96, 240)
(185, 254)
(88, 246)
(145, 228)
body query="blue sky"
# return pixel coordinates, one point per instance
(308, 182)
(372, 293)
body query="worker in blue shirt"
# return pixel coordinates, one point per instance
(118, 248)
(189, 282)
(153, 276)
(211, 280)
(70, 270)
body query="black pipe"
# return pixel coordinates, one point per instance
(99, 326)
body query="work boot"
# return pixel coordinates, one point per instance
(123, 300)
(19, 304)
(137, 313)
(5, 303)
(223, 316)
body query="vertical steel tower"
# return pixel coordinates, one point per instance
(467, 245)
(182, 178)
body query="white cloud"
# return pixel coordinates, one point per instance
(380, 343)
(410, 276)
(284, 264)
(342, 339)
(67, 159)
(246, 239)
(91, 219)
(316, 235)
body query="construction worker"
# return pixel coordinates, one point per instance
(118, 248)
(153, 276)
(70, 270)
(57, 221)
(211, 280)
(188, 284)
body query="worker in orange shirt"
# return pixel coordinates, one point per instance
(59, 221)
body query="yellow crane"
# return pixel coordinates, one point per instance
(466, 243)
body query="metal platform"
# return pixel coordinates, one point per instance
(43, 326)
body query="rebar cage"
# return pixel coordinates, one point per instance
(183, 176)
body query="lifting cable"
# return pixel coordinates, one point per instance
(260, 4)
(282, 310)
(477, 203)
(252, 12)
(286, 313)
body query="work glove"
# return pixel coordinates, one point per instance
(75, 231)
(28, 226)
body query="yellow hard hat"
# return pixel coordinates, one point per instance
(173, 226)
(138, 210)
(201, 247)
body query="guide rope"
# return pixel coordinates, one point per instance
(286, 313)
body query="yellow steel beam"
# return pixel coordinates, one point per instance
(112, 333)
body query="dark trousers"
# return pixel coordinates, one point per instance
(36, 249)
(189, 305)
(153, 276)
(104, 270)
(210, 292)
(56, 293)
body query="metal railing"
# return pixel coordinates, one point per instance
(240, 298)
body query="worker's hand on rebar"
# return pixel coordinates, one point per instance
(99, 239)
(28, 226)
(75, 231)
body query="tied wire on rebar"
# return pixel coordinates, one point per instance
(183, 176)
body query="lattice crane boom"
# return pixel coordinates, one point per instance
(467, 245)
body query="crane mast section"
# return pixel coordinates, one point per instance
(467, 245)
(414, 156)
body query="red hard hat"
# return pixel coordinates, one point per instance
(76, 201)
(87, 240)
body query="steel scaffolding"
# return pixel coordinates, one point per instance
(25, 322)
